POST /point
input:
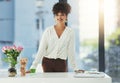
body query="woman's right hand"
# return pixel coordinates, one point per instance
(31, 71)
(28, 71)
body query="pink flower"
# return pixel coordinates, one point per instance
(14, 47)
(19, 48)
(9, 48)
(4, 49)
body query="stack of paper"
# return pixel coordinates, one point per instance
(89, 74)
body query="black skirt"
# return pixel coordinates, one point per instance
(54, 65)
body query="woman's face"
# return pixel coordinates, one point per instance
(60, 18)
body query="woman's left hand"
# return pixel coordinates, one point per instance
(79, 71)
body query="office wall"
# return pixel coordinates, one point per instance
(7, 20)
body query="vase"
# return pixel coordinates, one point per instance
(12, 72)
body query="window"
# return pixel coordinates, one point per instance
(85, 24)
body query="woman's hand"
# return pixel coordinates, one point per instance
(79, 71)
(31, 71)
(28, 71)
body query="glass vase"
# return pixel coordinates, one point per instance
(12, 72)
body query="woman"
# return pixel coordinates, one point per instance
(57, 43)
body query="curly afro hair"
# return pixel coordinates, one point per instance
(61, 7)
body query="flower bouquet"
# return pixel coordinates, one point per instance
(12, 52)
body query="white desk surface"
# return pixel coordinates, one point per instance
(52, 78)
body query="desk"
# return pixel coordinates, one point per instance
(52, 78)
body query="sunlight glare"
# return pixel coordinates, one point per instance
(88, 19)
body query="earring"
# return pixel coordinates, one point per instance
(66, 20)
